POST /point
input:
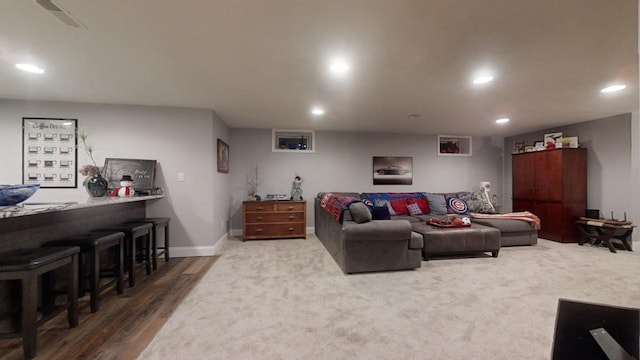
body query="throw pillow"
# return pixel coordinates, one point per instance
(437, 204)
(360, 212)
(381, 213)
(422, 203)
(479, 202)
(457, 206)
(414, 209)
(400, 206)
(387, 204)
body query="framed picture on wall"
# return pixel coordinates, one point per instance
(223, 157)
(391, 170)
(49, 152)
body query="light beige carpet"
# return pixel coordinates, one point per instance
(287, 299)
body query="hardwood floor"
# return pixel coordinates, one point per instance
(125, 324)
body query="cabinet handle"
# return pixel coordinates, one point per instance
(290, 229)
(259, 208)
(258, 230)
(291, 217)
(259, 218)
(290, 207)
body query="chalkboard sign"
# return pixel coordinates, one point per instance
(142, 172)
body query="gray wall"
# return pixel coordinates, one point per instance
(180, 139)
(343, 162)
(609, 167)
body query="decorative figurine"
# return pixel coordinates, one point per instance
(296, 191)
(126, 187)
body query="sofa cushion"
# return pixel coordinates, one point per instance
(457, 206)
(386, 203)
(422, 203)
(360, 212)
(437, 203)
(417, 241)
(400, 206)
(381, 213)
(414, 209)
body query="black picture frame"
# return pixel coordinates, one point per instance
(142, 172)
(50, 152)
(392, 170)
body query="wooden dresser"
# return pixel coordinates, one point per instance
(274, 219)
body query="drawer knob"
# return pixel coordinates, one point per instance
(258, 230)
(290, 229)
(290, 207)
(259, 218)
(259, 208)
(291, 217)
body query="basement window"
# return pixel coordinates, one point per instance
(299, 141)
(452, 145)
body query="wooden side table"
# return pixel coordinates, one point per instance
(597, 231)
(274, 219)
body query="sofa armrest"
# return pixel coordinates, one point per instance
(391, 230)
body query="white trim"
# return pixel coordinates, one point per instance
(191, 251)
(238, 232)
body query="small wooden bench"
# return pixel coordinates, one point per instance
(597, 231)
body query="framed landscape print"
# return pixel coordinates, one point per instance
(223, 157)
(49, 152)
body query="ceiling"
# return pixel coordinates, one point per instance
(264, 63)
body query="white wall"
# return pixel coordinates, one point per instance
(609, 166)
(343, 162)
(180, 139)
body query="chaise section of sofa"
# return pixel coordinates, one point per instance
(377, 245)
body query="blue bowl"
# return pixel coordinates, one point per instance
(13, 194)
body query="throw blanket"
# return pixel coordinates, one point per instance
(335, 205)
(523, 215)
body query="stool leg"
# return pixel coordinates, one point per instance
(154, 245)
(94, 288)
(72, 292)
(119, 266)
(147, 241)
(166, 242)
(131, 259)
(29, 314)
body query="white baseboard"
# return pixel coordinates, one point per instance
(191, 251)
(238, 232)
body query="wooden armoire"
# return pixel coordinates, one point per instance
(552, 184)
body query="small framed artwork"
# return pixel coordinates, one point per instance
(529, 148)
(49, 152)
(223, 157)
(554, 138)
(538, 145)
(519, 147)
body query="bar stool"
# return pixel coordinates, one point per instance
(133, 232)
(26, 265)
(90, 247)
(158, 223)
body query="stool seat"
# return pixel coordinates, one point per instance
(90, 246)
(29, 259)
(26, 265)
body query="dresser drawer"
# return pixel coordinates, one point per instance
(285, 206)
(274, 217)
(274, 230)
(258, 207)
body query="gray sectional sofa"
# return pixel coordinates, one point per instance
(402, 242)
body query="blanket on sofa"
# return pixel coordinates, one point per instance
(335, 205)
(522, 215)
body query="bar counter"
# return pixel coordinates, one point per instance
(31, 224)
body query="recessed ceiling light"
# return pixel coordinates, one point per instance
(339, 67)
(317, 111)
(502, 121)
(30, 68)
(483, 79)
(613, 88)
(413, 116)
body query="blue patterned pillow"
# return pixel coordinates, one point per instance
(387, 204)
(457, 206)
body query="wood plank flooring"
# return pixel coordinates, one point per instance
(125, 324)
